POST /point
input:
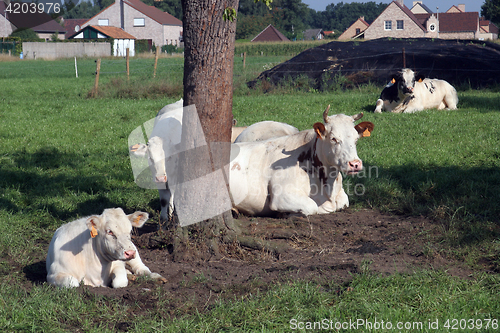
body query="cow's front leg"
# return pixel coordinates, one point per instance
(138, 268)
(118, 274)
(289, 193)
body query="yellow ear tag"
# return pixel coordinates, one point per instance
(366, 133)
(93, 232)
(136, 220)
(393, 80)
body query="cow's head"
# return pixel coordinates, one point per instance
(405, 80)
(337, 138)
(111, 233)
(155, 153)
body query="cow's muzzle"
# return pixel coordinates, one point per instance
(355, 166)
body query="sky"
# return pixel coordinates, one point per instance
(444, 5)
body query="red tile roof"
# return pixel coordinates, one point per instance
(113, 32)
(154, 13)
(270, 34)
(454, 22)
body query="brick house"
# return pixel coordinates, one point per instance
(397, 21)
(355, 30)
(141, 21)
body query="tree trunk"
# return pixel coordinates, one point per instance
(208, 85)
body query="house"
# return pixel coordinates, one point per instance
(488, 30)
(420, 8)
(121, 39)
(313, 34)
(141, 21)
(355, 30)
(40, 22)
(73, 25)
(397, 21)
(270, 34)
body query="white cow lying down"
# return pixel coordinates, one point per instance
(95, 250)
(298, 173)
(166, 134)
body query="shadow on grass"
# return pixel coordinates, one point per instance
(36, 272)
(48, 180)
(482, 103)
(464, 200)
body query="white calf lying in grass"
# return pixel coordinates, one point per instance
(95, 250)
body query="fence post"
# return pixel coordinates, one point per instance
(128, 64)
(404, 58)
(96, 84)
(157, 54)
(244, 59)
(76, 68)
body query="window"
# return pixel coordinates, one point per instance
(139, 22)
(358, 31)
(388, 25)
(432, 27)
(103, 22)
(399, 24)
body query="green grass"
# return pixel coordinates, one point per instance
(63, 155)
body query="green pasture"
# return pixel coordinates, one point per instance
(64, 155)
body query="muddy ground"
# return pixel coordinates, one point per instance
(319, 248)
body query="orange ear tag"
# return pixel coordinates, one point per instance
(393, 80)
(366, 133)
(420, 80)
(93, 232)
(137, 219)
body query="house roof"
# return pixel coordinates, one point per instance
(454, 9)
(71, 24)
(270, 34)
(465, 21)
(488, 26)
(112, 32)
(454, 22)
(311, 33)
(424, 7)
(154, 13)
(408, 12)
(39, 22)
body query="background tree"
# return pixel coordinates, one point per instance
(491, 11)
(25, 34)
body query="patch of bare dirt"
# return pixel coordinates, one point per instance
(321, 248)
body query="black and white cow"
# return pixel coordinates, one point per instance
(407, 92)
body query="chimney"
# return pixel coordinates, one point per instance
(461, 7)
(401, 2)
(362, 17)
(122, 15)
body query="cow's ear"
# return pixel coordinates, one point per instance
(138, 219)
(138, 149)
(93, 223)
(320, 129)
(419, 77)
(365, 128)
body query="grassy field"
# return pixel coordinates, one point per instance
(64, 155)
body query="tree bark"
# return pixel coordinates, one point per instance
(208, 85)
